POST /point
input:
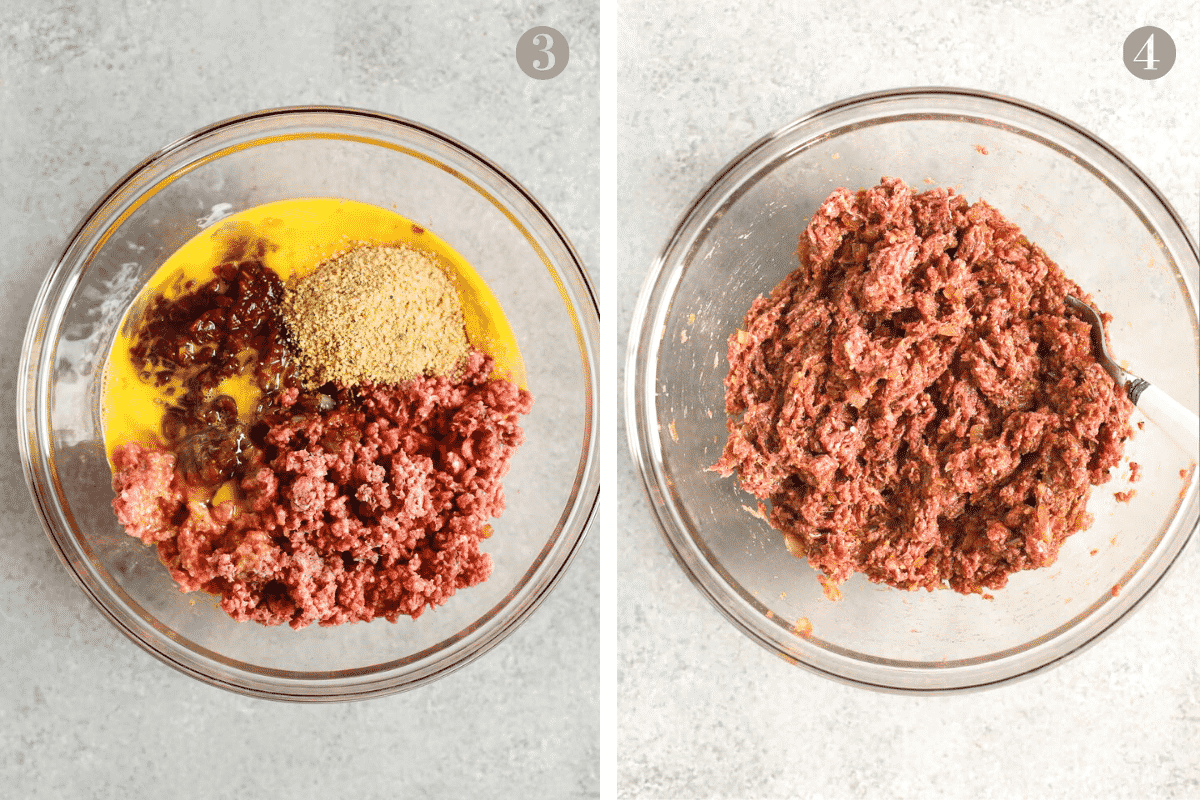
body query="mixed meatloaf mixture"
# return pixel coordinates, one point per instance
(915, 401)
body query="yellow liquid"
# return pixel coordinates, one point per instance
(300, 234)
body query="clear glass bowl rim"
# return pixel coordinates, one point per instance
(640, 376)
(33, 425)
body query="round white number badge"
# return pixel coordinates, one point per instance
(1149, 53)
(542, 53)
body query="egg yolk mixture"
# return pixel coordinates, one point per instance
(315, 483)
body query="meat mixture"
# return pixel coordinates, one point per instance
(347, 503)
(915, 401)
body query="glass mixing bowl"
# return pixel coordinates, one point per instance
(494, 223)
(1091, 210)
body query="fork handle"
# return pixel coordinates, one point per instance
(1166, 412)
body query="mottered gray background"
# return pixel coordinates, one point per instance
(706, 713)
(87, 90)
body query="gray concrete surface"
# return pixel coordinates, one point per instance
(706, 713)
(86, 91)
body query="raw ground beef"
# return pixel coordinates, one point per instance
(915, 401)
(373, 508)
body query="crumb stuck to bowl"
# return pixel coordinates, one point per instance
(916, 401)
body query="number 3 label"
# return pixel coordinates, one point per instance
(547, 40)
(542, 53)
(1149, 53)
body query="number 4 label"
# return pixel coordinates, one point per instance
(1148, 50)
(1149, 53)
